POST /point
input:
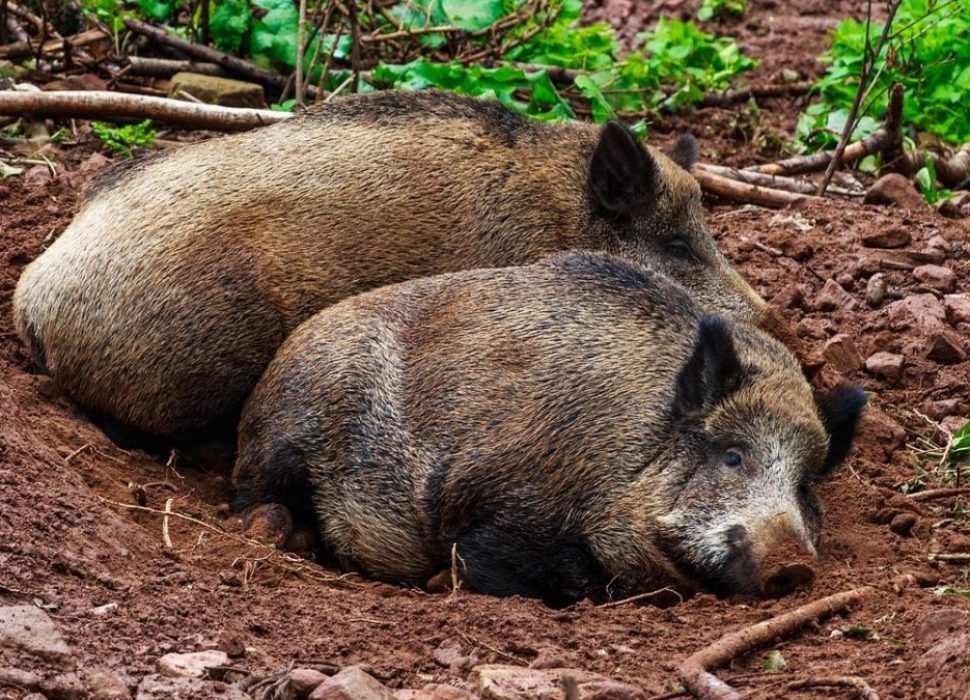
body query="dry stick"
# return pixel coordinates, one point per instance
(951, 172)
(167, 67)
(744, 192)
(99, 104)
(695, 672)
(958, 557)
(165, 536)
(641, 596)
(300, 52)
(777, 182)
(207, 54)
(933, 494)
(3, 22)
(863, 689)
(871, 56)
(24, 49)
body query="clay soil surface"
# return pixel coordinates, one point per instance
(71, 543)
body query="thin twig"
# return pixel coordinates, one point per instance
(300, 52)
(166, 538)
(933, 494)
(642, 596)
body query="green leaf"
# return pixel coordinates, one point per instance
(602, 111)
(472, 14)
(156, 9)
(951, 590)
(229, 24)
(775, 663)
(9, 170)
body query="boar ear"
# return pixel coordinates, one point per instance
(713, 370)
(840, 410)
(684, 151)
(621, 172)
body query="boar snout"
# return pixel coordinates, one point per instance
(786, 557)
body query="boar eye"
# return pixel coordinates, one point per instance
(732, 459)
(679, 248)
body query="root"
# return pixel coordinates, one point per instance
(695, 672)
(863, 689)
(25, 49)
(744, 192)
(933, 494)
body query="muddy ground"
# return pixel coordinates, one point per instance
(71, 544)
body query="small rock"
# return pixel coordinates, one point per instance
(880, 431)
(549, 657)
(94, 163)
(37, 176)
(450, 655)
(105, 685)
(954, 208)
(944, 670)
(953, 423)
(938, 243)
(876, 289)
(30, 629)
(791, 297)
(105, 609)
(909, 259)
(155, 687)
(305, 680)
(944, 347)
(609, 689)
(232, 644)
(896, 190)
(938, 410)
(351, 684)
(937, 277)
(498, 682)
(434, 691)
(66, 686)
(903, 581)
(920, 311)
(886, 365)
(939, 623)
(217, 91)
(191, 665)
(957, 307)
(892, 237)
(18, 677)
(833, 297)
(840, 352)
(903, 524)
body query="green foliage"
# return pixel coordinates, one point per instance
(926, 179)
(951, 590)
(472, 14)
(229, 23)
(721, 9)
(960, 445)
(929, 55)
(775, 663)
(123, 139)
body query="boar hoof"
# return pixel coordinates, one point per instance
(270, 523)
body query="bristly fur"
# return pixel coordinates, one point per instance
(528, 416)
(168, 294)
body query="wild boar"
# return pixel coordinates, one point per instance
(182, 273)
(569, 425)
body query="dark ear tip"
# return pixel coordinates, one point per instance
(685, 151)
(714, 327)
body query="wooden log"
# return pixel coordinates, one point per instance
(25, 49)
(778, 182)
(96, 104)
(737, 191)
(167, 67)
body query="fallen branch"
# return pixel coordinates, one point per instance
(951, 172)
(732, 97)
(735, 190)
(25, 49)
(958, 557)
(166, 538)
(167, 67)
(97, 104)
(778, 182)
(696, 672)
(863, 689)
(933, 494)
(207, 54)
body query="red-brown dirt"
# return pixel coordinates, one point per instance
(66, 546)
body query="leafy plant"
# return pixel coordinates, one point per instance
(951, 590)
(928, 53)
(123, 139)
(721, 9)
(775, 663)
(926, 179)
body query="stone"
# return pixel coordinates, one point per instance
(945, 348)
(903, 523)
(434, 691)
(885, 365)
(876, 289)
(105, 685)
(833, 297)
(305, 680)
(879, 431)
(894, 189)
(944, 670)
(37, 176)
(450, 655)
(938, 243)
(19, 677)
(892, 237)
(940, 409)
(923, 312)
(217, 91)
(840, 352)
(191, 665)
(94, 163)
(942, 623)
(498, 682)
(231, 644)
(65, 686)
(351, 684)
(30, 629)
(156, 687)
(957, 308)
(937, 277)
(957, 207)
(909, 259)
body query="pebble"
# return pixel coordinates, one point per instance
(886, 365)
(937, 277)
(305, 680)
(191, 665)
(945, 348)
(105, 685)
(434, 691)
(450, 655)
(876, 289)
(30, 629)
(938, 410)
(939, 623)
(957, 307)
(351, 684)
(498, 682)
(833, 297)
(903, 523)
(896, 190)
(891, 237)
(841, 353)
(921, 311)
(156, 687)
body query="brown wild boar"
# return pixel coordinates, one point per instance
(181, 275)
(567, 425)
